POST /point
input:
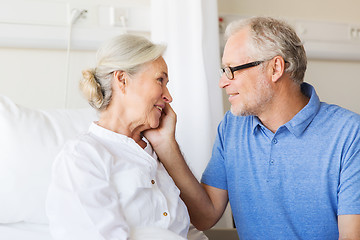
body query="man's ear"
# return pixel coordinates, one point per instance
(278, 68)
(120, 79)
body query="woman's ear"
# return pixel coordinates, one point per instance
(278, 68)
(120, 79)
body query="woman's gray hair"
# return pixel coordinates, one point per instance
(270, 37)
(126, 53)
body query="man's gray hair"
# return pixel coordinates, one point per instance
(270, 37)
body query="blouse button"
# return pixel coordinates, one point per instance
(165, 214)
(153, 181)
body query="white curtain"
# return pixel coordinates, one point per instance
(189, 28)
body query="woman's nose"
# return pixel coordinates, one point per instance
(167, 96)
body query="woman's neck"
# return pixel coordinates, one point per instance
(117, 122)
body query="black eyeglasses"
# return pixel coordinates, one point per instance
(229, 71)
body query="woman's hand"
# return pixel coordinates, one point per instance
(166, 131)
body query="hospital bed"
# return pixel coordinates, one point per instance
(29, 142)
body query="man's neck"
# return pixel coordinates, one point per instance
(287, 102)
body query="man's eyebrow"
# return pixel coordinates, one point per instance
(223, 64)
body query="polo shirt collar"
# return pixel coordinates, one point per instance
(256, 123)
(302, 119)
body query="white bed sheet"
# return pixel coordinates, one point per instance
(24, 231)
(31, 231)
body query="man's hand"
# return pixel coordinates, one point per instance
(166, 130)
(205, 205)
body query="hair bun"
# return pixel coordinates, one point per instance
(91, 88)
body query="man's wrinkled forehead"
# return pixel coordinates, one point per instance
(236, 48)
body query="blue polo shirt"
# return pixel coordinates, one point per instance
(291, 184)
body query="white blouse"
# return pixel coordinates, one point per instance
(104, 185)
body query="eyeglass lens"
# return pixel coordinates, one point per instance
(229, 74)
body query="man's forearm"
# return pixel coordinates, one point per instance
(201, 209)
(349, 227)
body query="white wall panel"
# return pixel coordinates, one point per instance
(39, 24)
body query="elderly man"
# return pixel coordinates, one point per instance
(288, 163)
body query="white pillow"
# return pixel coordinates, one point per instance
(29, 141)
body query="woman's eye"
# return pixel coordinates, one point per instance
(160, 79)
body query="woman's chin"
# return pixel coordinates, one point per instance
(155, 124)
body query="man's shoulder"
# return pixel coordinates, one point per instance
(334, 118)
(335, 113)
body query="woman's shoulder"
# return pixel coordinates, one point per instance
(84, 150)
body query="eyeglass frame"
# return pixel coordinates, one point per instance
(237, 68)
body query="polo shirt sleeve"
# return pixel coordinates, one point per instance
(215, 172)
(349, 186)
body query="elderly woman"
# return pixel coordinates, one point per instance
(108, 183)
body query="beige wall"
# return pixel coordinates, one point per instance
(324, 10)
(335, 81)
(37, 77)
